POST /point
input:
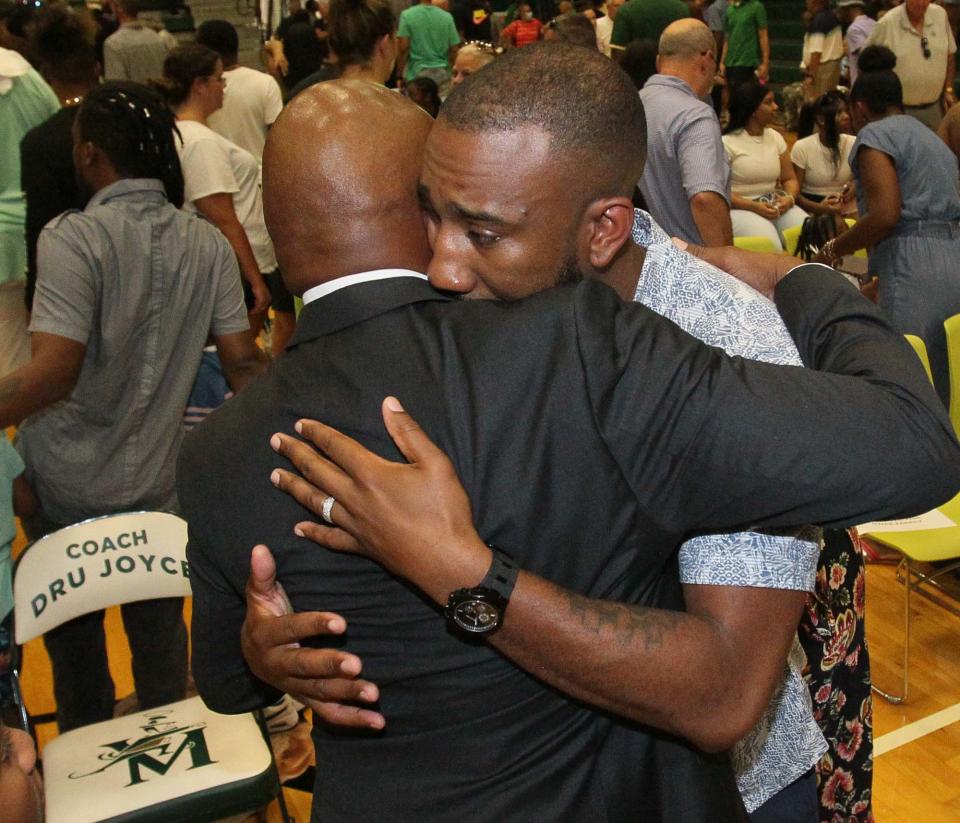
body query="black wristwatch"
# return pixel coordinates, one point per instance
(479, 610)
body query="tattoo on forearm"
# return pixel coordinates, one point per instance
(622, 624)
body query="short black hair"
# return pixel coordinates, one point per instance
(431, 93)
(876, 58)
(640, 60)
(574, 29)
(745, 99)
(583, 100)
(132, 125)
(64, 43)
(221, 36)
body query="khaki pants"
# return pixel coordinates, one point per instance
(825, 79)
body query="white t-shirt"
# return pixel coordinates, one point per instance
(754, 161)
(251, 102)
(604, 27)
(820, 175)
(214, 165)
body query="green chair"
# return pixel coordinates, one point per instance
(952, 328)
(754, 243)
(921, 349)
(923, 546)
(791, 237)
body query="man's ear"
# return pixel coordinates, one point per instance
(86, 154)
(610, 220)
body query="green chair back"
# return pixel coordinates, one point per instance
(921, 349)
(754, 243)
(952, 327)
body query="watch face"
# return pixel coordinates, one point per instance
(476, 616)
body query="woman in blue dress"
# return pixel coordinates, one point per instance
(907, 193)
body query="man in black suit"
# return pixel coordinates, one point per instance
(574, 436)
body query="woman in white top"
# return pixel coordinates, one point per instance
(821, 160)
(220, 178)
(763, 185)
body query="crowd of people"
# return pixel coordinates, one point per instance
(602, 471)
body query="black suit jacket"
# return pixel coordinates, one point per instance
(591, 435)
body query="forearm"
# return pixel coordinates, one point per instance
(791, 187)
(744, 203)
(29, 389)
(239, 375)
(813, 207)
(663, 668)
(814, 63)
(712, 217)
(764, 39)
(866, 233)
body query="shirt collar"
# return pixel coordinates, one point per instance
(129, 185)
(906, 24)
(338, 283)
(672, 82)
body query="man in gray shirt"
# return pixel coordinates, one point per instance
(134, 51)
(128, 291)
(686, 182)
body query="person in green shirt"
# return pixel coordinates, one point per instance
(427, 42)
(746, 50)
(644, 20)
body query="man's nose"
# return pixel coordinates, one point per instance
(445, 271)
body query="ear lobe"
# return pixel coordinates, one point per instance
(612, 224)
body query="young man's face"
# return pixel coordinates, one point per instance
(499, 215)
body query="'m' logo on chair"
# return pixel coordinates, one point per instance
(161, 746)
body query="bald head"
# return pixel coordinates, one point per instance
(686, 39)
(340, 171)
(688, 50)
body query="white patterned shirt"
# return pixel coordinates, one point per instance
(722, 311)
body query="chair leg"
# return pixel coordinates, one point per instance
(284, 814)
(907, 586)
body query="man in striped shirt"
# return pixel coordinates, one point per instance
(686, 182)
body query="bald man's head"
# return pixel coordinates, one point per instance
(686, 38)
(688, 50)
(340, 171)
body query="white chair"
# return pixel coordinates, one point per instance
(179, 762)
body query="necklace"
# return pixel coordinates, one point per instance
(72, 101)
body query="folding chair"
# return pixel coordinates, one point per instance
(952, 327)
(921, 349)
(179, 762)
(754, 243)
(925, 546)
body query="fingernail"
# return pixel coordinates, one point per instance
(376, 723)
(366, 694)
(275, 477)
(275, 442)
(393, 404)
(298, 427)
(298, 531)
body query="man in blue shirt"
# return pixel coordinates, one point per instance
(686, 181)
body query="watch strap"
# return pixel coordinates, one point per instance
(502, 574)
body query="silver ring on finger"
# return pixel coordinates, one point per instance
(327, 509)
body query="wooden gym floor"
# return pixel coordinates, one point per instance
(917, 765)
